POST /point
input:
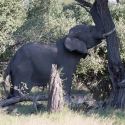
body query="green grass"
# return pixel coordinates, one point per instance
(24, 114)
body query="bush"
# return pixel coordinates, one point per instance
(12, 13)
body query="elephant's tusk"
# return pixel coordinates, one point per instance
(108, 33)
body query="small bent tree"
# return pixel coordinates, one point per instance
(101, 16)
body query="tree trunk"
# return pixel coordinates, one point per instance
(115, 66)
(118, 1)
(55, 100)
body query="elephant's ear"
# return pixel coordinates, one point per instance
(74, 44)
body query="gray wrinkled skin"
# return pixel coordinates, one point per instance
(33, 61)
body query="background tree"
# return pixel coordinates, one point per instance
(12, 16)
(115, 67)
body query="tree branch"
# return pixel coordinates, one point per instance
(85, 8)
(84, 3)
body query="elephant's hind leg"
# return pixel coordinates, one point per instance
(21, 79)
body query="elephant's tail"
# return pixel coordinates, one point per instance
(7, 71)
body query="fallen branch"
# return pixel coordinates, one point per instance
(14, 100)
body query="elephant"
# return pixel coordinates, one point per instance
(32, 63)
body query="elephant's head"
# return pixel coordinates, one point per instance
(81, 38)
(75, 44)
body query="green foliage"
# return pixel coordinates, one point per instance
(33, 29)
(49, 22)
(12, 16)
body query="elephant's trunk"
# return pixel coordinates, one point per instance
(108, 33)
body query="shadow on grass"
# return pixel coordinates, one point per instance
(109, 112)
(118, 115)
(23, 108)
(26, 107)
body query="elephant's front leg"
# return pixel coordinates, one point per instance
(67, 83)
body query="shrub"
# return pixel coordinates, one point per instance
(12, 16)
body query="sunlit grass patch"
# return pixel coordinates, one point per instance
(66, 117)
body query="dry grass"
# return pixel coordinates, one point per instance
(66, 117)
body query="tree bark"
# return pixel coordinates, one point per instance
(115, 66)
(55, 100)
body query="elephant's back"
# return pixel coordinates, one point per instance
(34, 49)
